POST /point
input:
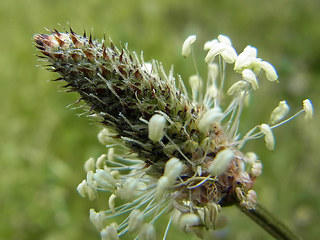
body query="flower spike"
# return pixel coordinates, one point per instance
(166, 153)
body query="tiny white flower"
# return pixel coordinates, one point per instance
(186, 47)
(308, 108)
(90, 179)
(97, 218)
(156, 127)
(224, 39)
(148, 232)
(111, 202)
(279, 112)
(239, 193)
(245, 59)
(89, 165)
(135, 220)
(189, 220)
(101, 161)
(209, 44)
(111, 154)
(173, 169)
(251, 158)
(162, 186)
(211, 211)
(237, 87)
(221, 46)
(91, 186)
(109, 233)
(211, 116)
(271, 72)
(105, 136)
(130, 187)
(82, 188)
(104, 178)
(92, 193)
(229, 54)
(216, 49)
(256, 169)
(252, 197)
(221, 162)
(249, 76)
(268, 136)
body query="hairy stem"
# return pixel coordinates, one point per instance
(269, 223)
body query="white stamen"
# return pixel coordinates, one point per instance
(210, 44)
(268, 136)
(271, 72)
(252, 197)
(189, 220)
(249, 76)
(216, 49)
(221, 162)
(104, 178)
(251, 158)
(148, 232)
(82, 188)
(173, 169)
(229, 54)
(246, 58)
(162, 186)
(109, 233)
(97, 218)
(89, 165)
(256, 169)
(237, 87)
(101, 161)
(111, 202)
(105, 136)
(308, 108)
(111, 154)
(279, 112)
(156, 127)
(135, 220)
(130, 187)
(211, 211)
(186, 47)
(211, 116)
(224, 39)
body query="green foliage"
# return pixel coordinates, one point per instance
(43, 145)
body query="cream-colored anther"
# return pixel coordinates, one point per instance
(268, 136)
(279, 112)
(221, 162)
(211, 116)
(156, 127)
(186, 47)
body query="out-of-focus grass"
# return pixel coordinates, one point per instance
(43, 145)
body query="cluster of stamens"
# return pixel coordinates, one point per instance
(167, 153)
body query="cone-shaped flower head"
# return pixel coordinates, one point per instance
(166, 152)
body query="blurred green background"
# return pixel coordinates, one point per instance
(43, 145)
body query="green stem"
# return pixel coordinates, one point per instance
(269, 223)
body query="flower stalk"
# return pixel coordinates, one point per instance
(167, 153)
(269, 223)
